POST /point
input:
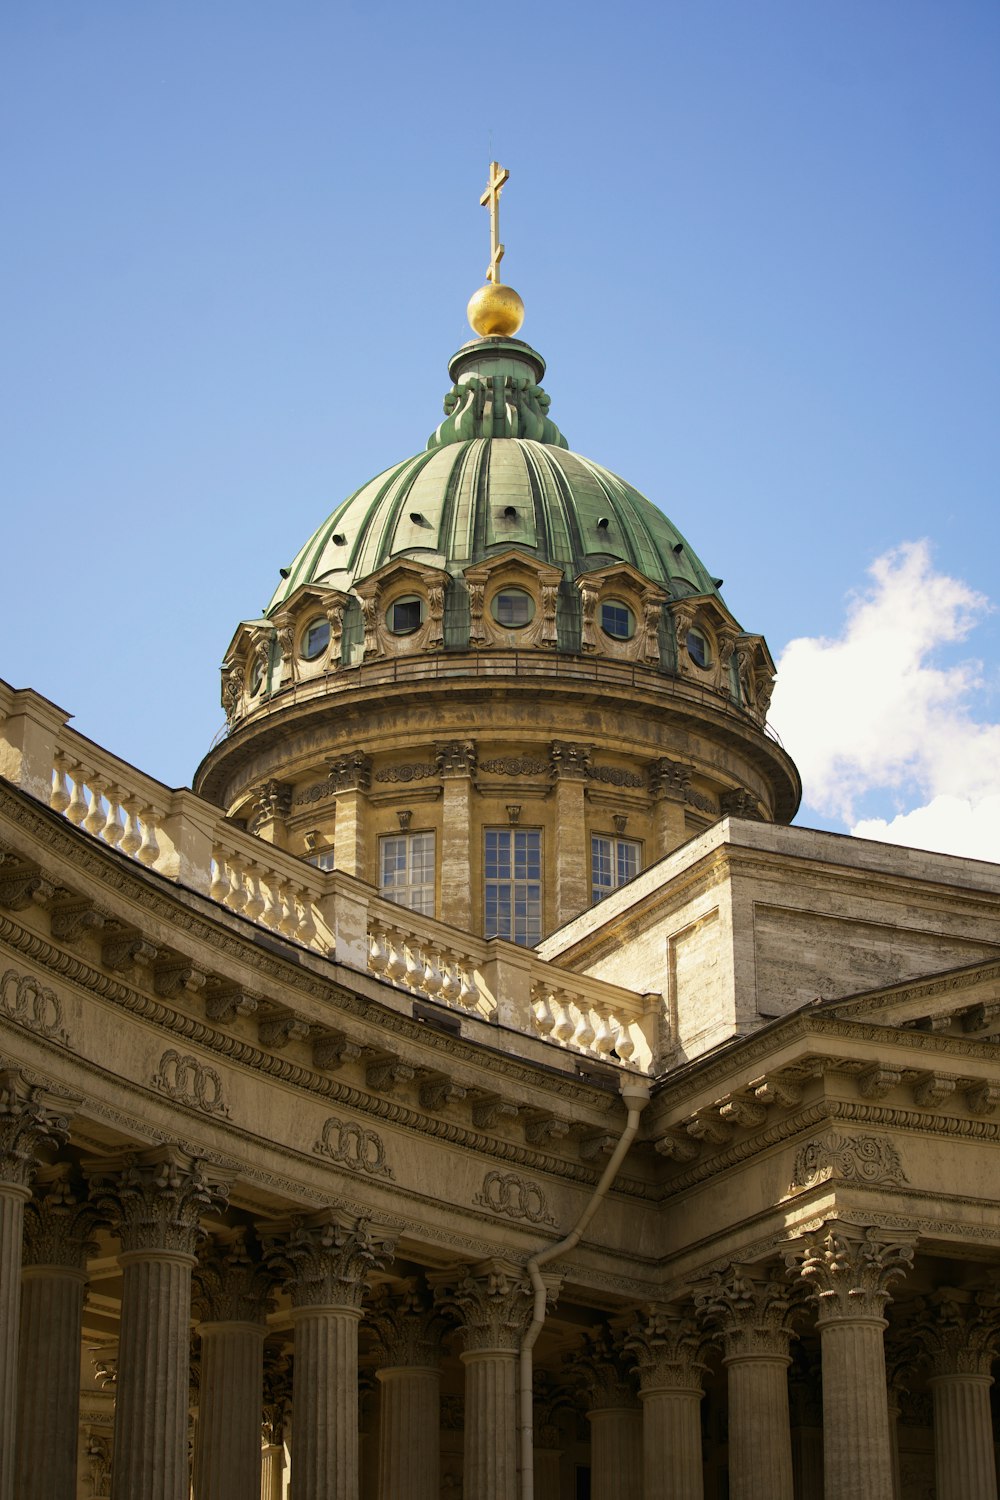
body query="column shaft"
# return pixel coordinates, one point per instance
(671, 1444)
(152, 1394)
(760, 1441)
(227, 1450)
(616, 1454)
(857, 1454)
(963, 1437)
(571, 877)
(409, 1442)
(48, 1412)
(325, 1403)
(456, 879)
(669, 828)
(12, 1200)
(490, 1467)
(350, 834)
(272, 1469)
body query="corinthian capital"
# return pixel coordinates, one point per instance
(155, 1199)
(27, 1126)
(752, 1313)
(232, 1284)
(492, 1302)
(600, 1369)
(407, 1325)
(667, 1344)
(850, 1270)
(59, 1220)
(958, 1331)
(324, 1258)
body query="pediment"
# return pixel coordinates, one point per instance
(623, 574)
(958, 1002)
(400, 570)
(511, 564)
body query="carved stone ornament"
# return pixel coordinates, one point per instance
(835, 1157)
(616, 776)
(22, 885)
(324, 1258)
(406, 1324)
(409, 771)
(353, 1146)
(492, 1303)
(601, 1371)
(958, 1331)
(569, 762)
(666, 1344)
(59, 1220)
(752, 1313)
(669, 778)
(514, 1197)
(190, 1081)
(231, 1282)
(155, 1199)
(850, 1269)
(33, 1005)
(739, 803)
(27, 1127)
(514, 765)
(456, 758)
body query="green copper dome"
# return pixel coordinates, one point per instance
(497, 474)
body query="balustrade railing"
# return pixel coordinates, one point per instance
(190, 841)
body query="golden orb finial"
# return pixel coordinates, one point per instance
(495, 311)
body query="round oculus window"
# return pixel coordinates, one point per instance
(513, 608)
(698, 649)
(617, 620)
(405, 615)
(315, 639)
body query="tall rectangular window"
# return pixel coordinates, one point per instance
(406, 870)
(513, 907)
(612, 862)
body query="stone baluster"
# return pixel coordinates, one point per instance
(493, 1302)
(57, 1229)
(959, 1332)
(27, 1127)
(666, 1344)
(407, 1329)
(155, 1200)
(849, 1271)
(324, 1259)
(615, 1419)
(231, 1300)
(276, 1410)
(752, 1314)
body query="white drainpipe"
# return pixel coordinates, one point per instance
(635, 1092)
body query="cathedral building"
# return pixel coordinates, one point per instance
(473, 1088)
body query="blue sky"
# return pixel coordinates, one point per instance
(758, 246)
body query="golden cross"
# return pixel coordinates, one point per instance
(491, 199)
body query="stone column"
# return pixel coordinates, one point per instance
(231, 1301)
(615, 1419)
(959, 1332)
(58, 1225)
(27, 1126)
(571, 877)
(849, 1271)
(276, 1408)
(324, 1259)
(669, 782)
(753, 1315)
(407, 1329)
(666, 1344)
(456, 762)
(493, 1301)
(350, 778)
(155, 1199)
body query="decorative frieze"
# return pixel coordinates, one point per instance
(837, 1157)
(615, 776)
(514, 765)
(353, 1146)
(409, 771)
(189, 1081)
(33, 1005)
(514, 1197)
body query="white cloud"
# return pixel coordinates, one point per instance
(873, 711)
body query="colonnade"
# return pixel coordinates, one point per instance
(641, 1376)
